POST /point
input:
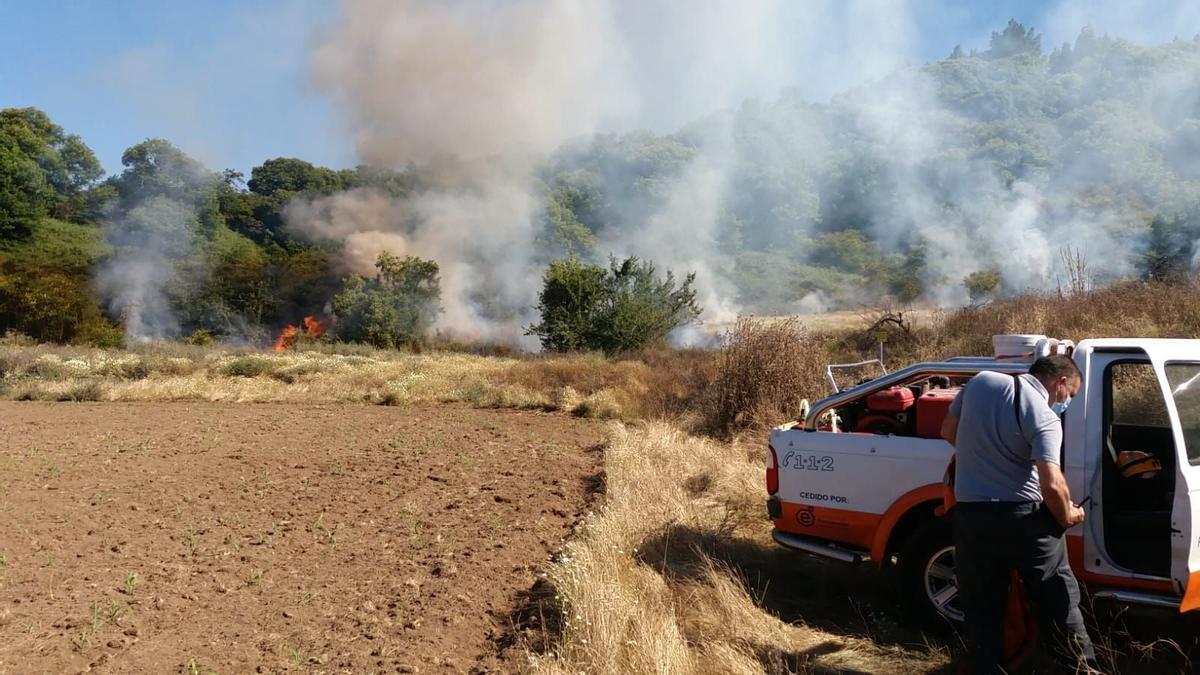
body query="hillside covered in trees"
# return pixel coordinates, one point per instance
(959, 180)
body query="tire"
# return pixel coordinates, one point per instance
(927, 581)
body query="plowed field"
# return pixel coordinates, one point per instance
(184, 537)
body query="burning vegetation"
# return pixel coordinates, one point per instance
(312, 329)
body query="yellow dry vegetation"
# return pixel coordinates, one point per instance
(585, 384)
(645, 588)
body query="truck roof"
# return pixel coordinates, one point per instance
(1137, 343)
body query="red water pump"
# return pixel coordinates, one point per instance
(887, 412)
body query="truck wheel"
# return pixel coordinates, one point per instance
(927, 578)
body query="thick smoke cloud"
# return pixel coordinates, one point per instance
(486, 93)
(481, 91)
(486, 90)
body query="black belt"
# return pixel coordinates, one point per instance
(999, 507)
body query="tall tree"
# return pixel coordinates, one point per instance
(43, 170)
(291, 175)
(1013, 40)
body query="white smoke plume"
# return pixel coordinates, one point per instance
(482, 91)
(486, 91)
(147, 242)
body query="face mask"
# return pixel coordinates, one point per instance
(1061, 407)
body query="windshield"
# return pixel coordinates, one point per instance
(1184, 380)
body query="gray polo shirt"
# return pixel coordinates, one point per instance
(996, 455)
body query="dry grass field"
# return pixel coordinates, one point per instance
(669, 569)
(678, 574)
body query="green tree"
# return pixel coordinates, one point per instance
(624, 307)
(46, 285)
(43, 170)
(848, 250)
(1014, 39)
(908, 278)
(982, 285)
(24, 193)
(1169, 250)
(291, 175)
(155, 168)
(394, 309)
(562, 233)
(569, 305)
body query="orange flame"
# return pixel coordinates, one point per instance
(286, 339)
(313, 328)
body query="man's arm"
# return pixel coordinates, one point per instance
(950, 428)
(1057, 494)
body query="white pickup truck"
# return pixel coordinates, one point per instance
(860, 477)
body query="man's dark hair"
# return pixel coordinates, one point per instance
(1055, 366)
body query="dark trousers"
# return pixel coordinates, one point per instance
(993, 538)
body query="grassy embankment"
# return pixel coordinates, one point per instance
(675, 571)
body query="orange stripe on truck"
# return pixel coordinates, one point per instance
(931, 493)
(839, 525)
(1075, 555)
(1191, 597)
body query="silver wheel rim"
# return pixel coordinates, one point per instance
(941, 584)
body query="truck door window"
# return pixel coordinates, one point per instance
(1184, 381)
(1136, 396)
(1138, 477)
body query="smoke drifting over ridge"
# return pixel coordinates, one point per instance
(487, 90)
(487, 93)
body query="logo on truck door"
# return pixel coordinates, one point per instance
(797, 460)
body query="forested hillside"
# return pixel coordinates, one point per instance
(963, 179)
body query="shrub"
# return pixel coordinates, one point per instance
(622, 308)
(247, 366)
(767, 368)
(14, 338)
(99, 332)
(394, 309)
(200, 337)
(88, 390)
(298, 372)
(48, 367)
(133, 369)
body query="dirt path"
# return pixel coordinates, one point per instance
(227, 538)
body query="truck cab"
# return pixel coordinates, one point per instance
(860, 477)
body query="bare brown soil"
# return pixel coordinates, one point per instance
(199, 537)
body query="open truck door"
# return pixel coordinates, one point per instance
(1178, 366)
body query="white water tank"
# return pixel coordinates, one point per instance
(1016, 347)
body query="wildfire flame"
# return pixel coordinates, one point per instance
(313, 328)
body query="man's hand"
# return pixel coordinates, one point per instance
(1057, 495)
(1075, 516)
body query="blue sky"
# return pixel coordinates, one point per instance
(228, 81)
(225, 80)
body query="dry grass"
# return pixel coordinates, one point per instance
(643, 590)
(653, 385)
(1132, 309)
(767, 369)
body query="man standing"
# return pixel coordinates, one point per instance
(1013, 508)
